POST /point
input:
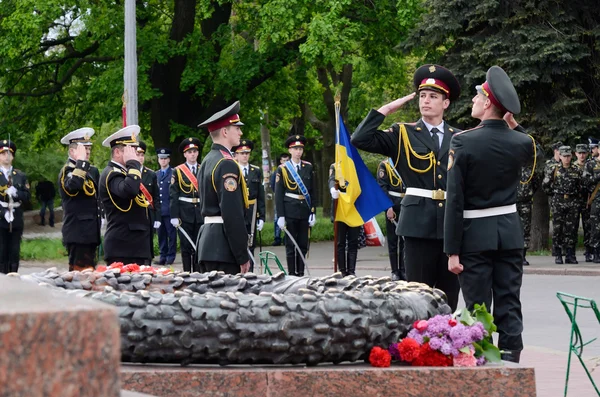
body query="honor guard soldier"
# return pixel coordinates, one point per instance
(127, 237)
(223, 243)
(185, 201)
(586, 165)
(167, 234)
(483, 236)
(149, 189)
(419, 152)
(391, 182)
(293, 202)
(78, 187)
(14, 193)
(253, 176)
(564, 185)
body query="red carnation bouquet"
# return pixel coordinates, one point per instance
(134, 268)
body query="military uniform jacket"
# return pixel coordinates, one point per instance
(164, 182)
(290, 207)
(256, 191)
(18, 179)
(419, 217)
(564, 183)
(484, 170)
(79, 194)
(181, 186)
(390, 183)
(150, 182)
(222, 195)
(128, 222)
(587, 181)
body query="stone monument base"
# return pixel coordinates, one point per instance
(328, 380)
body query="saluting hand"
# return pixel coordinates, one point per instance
(510, 120)
(395, 105)
(129, 153)
(454, 264)
(80, 152)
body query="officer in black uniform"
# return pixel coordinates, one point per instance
(420, 154)
(78, 188)
(483, 235)
(223, 243)
(167, 234)
(391, 183)
(14, 193)
(149, 189)
(256, 192)
(127, 237)
(185, 201)
(293, 205)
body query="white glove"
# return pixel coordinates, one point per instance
(12, 191)
(281, 222)
(175, 222)
(156, 224)
(311, 220)
(9, 216)
(334, 193)
(260, 224)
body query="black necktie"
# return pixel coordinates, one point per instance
(298, 167)
(436, 138)
(245, 172)
(194, 169)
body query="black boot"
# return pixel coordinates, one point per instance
(187, 262)
(570, 257)
(14, 267)
(589, 257)
(511, 355)
(558, 256)
(299, 265)
(525, 261)
(341, 262)
(291, 262)
(352, 263)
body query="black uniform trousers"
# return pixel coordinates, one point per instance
(427, 263)
(187, 251)
(347, 260)
(298, 228)
(395, 247)
(167, 240)
(10, 250)
(496, 276)
(228, 268)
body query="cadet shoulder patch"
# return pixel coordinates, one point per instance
(172, 179)
(277, 177)
(450, 159)
(381, 173)
(230, 184)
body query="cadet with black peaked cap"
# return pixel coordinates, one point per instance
(78, 188)
(294, 195)
(149, 189)
(256, 192)
(483, 236)
(185, 202)
(167, 234)
(14, 193)
(127, 237)
(419, 152)
(223, 243)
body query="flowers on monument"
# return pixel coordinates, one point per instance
(380, 357)
(134, 268)
(463, 340)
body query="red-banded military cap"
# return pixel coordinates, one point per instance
(437, 78)
(223, 118)
(500, 90)
(8, 145)
(188, 144)
(81, 135)
(245, 146)
(295, 141)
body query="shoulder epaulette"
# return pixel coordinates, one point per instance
(306, 162)
(117, 169)
(254, 166)
(226, 154)
(472, 129)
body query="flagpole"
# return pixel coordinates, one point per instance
(337, 186)
(130, 91)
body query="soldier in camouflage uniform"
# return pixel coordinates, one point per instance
(563, 185)
(525, 192)
(586, 166)
(551, 165)
(594, 205)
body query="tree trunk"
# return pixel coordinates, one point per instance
(540, 229)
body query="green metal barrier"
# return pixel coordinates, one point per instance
(265, 257)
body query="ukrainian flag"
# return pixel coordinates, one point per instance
(363, 198)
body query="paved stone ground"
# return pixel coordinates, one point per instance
(547, 327)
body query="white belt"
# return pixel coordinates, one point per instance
(194, 200)
(397, 194)
(432, 194)
(213, 219)
(295, 196)
(494, 211)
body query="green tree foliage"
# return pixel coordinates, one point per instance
(549, 48)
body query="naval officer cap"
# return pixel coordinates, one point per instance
(223, 118)
(81, 135)
(582, 148)
(141, 148)
(437, 78)
(565, 151)
(245, 146)
(8, 145)
(125, 136)
(163, 153)
(500, 90)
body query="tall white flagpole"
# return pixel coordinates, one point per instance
(130, 93)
